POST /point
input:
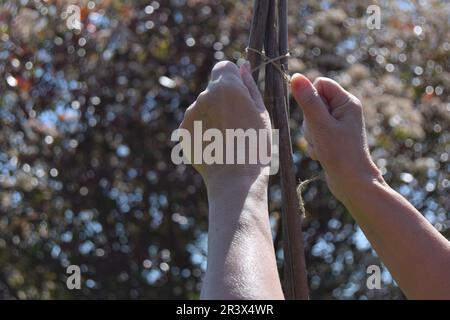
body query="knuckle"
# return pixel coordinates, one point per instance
(224, 67)
(203, 99)
(188, 113)
(356, 104)
(198, 107)
(356, 101)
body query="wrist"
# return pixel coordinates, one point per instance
(220, 181)
(349, 183)
(237, 199)
(355, 184)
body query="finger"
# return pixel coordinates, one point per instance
(249, 82)
(225, 69)
(308, 99)
(334, 95)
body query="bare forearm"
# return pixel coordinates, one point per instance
(239, 240)
(416, 254)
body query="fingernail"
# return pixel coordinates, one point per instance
(300, 83)
(295, 84)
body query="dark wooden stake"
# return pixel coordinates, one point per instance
(257, 32)
(274, 27)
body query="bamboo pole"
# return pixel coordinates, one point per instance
(276, 99)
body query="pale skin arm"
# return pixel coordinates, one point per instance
(241, 255)
(416, 254)
(241, 259)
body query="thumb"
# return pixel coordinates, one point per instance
(309, 99)
(333, 94)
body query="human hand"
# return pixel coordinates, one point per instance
(231, 101)
(335, 132)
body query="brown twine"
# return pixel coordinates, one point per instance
(266, 60)
(300, 188)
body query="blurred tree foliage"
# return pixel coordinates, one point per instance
(86, 117)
